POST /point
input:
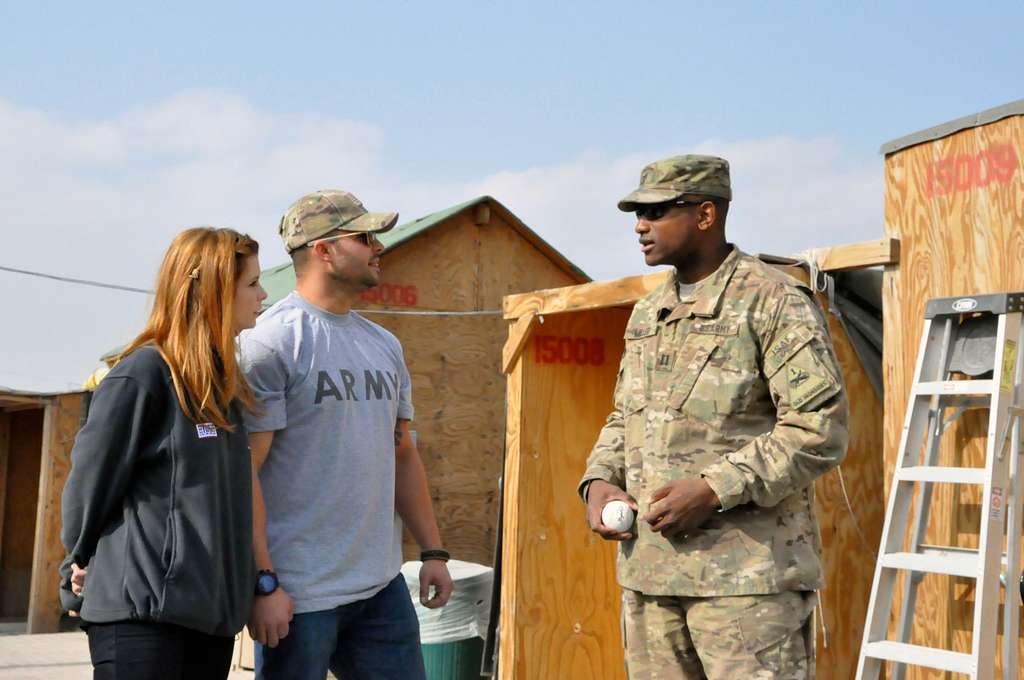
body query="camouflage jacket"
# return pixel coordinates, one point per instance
(738, 384)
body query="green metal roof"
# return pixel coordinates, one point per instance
(277, 281)
(280, 280)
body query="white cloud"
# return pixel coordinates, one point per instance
(793, 194)
(228, 125)
(102, 199)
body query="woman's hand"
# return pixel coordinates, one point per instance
(78, 579)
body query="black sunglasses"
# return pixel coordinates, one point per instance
(655, 211)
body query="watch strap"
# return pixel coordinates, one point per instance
(435, 554)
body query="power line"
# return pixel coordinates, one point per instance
(84, 282)
(113, 286)
(432, 312)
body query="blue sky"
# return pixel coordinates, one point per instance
(531, 82)
(121, 124)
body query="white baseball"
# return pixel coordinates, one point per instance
(617, 516)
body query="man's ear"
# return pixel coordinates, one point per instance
(320, 251)
(707, 213)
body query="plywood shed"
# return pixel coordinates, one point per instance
(559, 598)
(954, 197)
(444, 278)
(36, 435)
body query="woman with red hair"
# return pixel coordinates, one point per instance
(158, 504)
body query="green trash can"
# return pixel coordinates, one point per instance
(458, 660)
(452, 637)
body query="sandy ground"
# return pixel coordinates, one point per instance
(63, 656)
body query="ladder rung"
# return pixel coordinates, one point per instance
(968, 402)
(955, 387)
(916, 655)
(935, 561)
(948, 475)
(943, 550)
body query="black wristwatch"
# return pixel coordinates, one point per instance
(266, 582)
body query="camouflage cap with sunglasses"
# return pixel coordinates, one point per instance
(672, 178)
(317, 214)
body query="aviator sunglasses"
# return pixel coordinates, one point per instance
(366, 238)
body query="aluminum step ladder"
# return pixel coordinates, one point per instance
(980, 340)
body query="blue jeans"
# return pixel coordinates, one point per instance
(373, 639)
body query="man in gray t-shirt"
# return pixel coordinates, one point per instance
(335, 469)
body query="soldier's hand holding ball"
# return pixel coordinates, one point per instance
(599, 494)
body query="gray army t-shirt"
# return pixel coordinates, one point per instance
(331, 387)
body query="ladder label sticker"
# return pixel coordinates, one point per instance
(1009, 364)
(996, 505)
(964, 305)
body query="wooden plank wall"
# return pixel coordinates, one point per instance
(455, 364)
(5, 447)
(543, 578)
(19, 528)
(957, 206)
(59, 429)
(560, 601)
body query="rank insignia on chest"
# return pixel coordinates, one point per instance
(665, 361)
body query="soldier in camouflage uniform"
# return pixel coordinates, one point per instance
(729, 404)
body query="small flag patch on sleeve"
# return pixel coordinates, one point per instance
(206, 430)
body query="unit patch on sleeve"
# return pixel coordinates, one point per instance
(804, 385)
(206, 430)
(784, 349)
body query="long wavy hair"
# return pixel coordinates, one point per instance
(192, 322)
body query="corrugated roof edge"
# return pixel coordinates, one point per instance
(33, 394)
(989, 116)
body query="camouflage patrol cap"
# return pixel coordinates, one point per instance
(317, 214)
(671, 178)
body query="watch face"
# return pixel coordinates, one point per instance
(266, 583)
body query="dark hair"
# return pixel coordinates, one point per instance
(721, 205)
(300, 257)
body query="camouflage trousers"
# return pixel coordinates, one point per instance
(757, 637)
